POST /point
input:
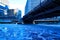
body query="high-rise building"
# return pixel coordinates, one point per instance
(31, 4)
(14, 13)
(19, 15)
(10, 12)
(3, 7)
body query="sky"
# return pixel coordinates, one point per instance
(20, 4)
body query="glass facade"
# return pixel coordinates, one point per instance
(31, 4)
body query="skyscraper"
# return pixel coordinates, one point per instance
(31, 4)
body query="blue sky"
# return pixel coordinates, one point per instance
(20, 4)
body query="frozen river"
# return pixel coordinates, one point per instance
(29, 32)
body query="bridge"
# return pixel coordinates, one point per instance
(47, 9)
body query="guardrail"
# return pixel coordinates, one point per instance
(50, 20)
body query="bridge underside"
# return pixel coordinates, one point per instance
(48, 9)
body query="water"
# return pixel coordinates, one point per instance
(29, 32)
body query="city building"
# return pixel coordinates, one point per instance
(3, 7)
(31, 4)
(17, 13)
(14, 13)
(10, 12)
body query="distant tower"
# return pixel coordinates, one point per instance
(31, 4)
(14, 12)
(19, 14)
(10, 12)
